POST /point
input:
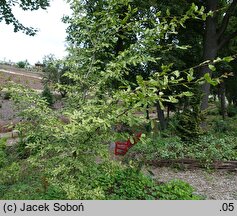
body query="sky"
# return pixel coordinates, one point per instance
(50, 38)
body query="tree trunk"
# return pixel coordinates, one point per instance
(121, 33)
(210, 49)
(161, 117)
(148, 126)
(168, 112)
(223, 101)
(147, 113)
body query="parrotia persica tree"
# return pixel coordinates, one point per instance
(112, 41)
(107, 40)
(6, 13)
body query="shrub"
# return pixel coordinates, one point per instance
(187, 123)
(227, 126)
(47, 95)
(3, 158)
(177, 190)
(7, 95)
(130, 184)
(22, 64)
(220, 126)
(157, 148)
(207, 148)
(212, 147)
(107, 180)
(231, 110)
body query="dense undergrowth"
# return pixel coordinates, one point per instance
(103, 179)
(218, 143)
(51, 161)
(54, 160)
(27, 172)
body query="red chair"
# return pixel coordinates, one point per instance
(121, 148)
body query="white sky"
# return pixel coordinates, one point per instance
(50, 38)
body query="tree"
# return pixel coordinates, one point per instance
(216, 36)
(74, 157)
(123, 36)
(208, 38)
(129, 48)
(54, 74)
(23, 64)
(6, 13)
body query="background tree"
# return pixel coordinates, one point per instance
(208, 38)
(6, 13)
(216, 35)
(23, 64)
(54, 71)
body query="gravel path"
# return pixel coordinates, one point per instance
(213, 185)
(22, 74)
(32, 80)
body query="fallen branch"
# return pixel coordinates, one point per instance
(192, 164)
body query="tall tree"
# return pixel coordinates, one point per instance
(6, 13)
(216, 36)
(208, 39)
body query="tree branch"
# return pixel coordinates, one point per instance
(226, 19)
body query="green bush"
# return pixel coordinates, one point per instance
(227, 126)
(22, 64)
(177, 190)
(212, 147)
(187, 125)
(157, 147)
(3, 158)
(130, 184)
(220, 126)
(207, 148)
(47, 95)
(109, 181)
(231, 110)
(7, 95)
(10, 174)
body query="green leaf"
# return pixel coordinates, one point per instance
(190, 75)
(161, 105)
(173, 100)
(212, 67)
(207, 77)
(188, 94)
(183, 47)
(228, 59)
(166, 80)
(217, 60)
(204, 16)
(176, 73)
(152, 124)
(210, 13)
(213, 82)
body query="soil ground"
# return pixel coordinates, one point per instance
(10, 74)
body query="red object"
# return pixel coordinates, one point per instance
(121, 148)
